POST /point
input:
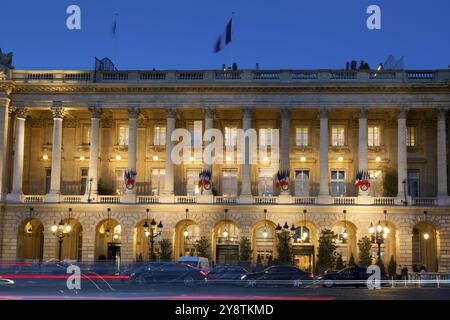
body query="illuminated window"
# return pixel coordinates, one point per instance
(301, 136)
(265, 182)
(192, 188)
(337, 136)
(159, 136)
(229, 182)
(123, 135)
(411, 136)
(86, 134)
(230, 136)
(337, 183)
(373, 137)
(265, 137)
(158, 176)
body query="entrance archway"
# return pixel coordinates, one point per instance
(72, 244)
(187, 232)
(389, 247)
(345, 232)
(107, 240)
(424, 247)
(305, 243)
(225, 242)
(30, 240)
(264, 241)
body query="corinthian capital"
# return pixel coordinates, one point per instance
(442, 113)
(95, 111)
(57, 110)
(323, 112)
(209, 112)
(171, 112)
(21, 113)
(402, 113)
(133, 112)
(247, 112)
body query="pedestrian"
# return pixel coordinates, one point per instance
(404, 273)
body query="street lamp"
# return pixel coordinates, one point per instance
(286, 235)
(426, 235)
(30, 228)
(61, 230)
(152, 232)
(225, 232)
(186, 232)
(379, 233)
(265, 233)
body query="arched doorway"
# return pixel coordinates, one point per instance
(390, 243)
(424, 247)
(187, 232)
(30, 240)
(345, 232)
(72, 242)
(264, 242)
(107, 240)
(142, 242)
(225, 242)
(304, 245)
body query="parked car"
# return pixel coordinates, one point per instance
(278, 275)
(226, 274)
(349, 276)
(196, 262)
(166, 272)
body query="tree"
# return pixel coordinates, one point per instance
(103, 188)
(165, 249)
(390, 186)
(392, 267)
(327, 250)
(202, 247)
(365, 246)
(245, 250)
(351, 262)
(380, 264)
(339, 262)
(284, 248)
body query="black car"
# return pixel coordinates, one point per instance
(165, 272)
(349, 276)
(226, 274)
(278, 275)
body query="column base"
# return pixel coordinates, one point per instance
(284, 199)
(14, 197)
(167, 199)
(205, 199)
(128, 198)
(324, 199)
(245, 199)
(52, 197)
(365, 199)
(443, 200)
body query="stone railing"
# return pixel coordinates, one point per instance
(109, 199)
(174, 76)
(345, 200)
(265, 200)
(148, 199)
(33, 199)
(426, 202)
(305, 200)
(71, 199)
(225, 200)
(384, 201)
(186, 199)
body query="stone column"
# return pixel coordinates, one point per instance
(130, 195)
(402, 156)
(246, 190)
(16, 192)
(91, 191)
(169, 178)
(362, 146)
(4, 138)
(55, 182)
(209, 124)
(324, 190)
(285, 147)
(442, 191)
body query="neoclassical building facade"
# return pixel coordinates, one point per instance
(68, 137)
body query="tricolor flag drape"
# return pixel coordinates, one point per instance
(224, 38)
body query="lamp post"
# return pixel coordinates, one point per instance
(61, 230)
(286, 234)
(30, 228)
(265, 233)
(151, 233)
(378, 234)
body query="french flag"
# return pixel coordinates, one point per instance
(224, 38)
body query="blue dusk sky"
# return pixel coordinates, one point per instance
(180, 34)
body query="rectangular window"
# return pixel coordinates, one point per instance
(86, 134)
(411, 136)
(302, 183)
(337, 136)
(373, 136)
(123, 135)
(119, 181)
(413, 183)
(157, 181)
(301, 136)
(49, 134)
(265, 182)
(159, 136)
(192, 182)
(376, 183)
(337, 183)
(265, 137)
(48, 179)
(230, 136)
(229, 182)
(84, 180)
